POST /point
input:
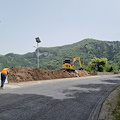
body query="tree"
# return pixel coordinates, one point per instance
(100, 65)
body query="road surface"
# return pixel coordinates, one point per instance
(64, 99)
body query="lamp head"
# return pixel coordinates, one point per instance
(38, 40)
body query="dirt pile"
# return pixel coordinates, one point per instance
(82, 73)
(33, 74)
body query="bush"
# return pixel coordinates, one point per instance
(100, 65)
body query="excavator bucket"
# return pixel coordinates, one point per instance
(81, 69)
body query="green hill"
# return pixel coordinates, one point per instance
(52, 57)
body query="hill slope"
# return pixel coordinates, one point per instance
(52, 57)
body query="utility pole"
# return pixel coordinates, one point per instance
(38, 41)
(85, 46)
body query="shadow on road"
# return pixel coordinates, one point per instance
(83, 102)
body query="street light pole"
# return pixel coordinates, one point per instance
(38, 41)
(37, 55)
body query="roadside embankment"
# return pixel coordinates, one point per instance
(111, 108)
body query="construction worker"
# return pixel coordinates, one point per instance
(4, 74)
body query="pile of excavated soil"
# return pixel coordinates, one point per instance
(82, 73)
(21, 74)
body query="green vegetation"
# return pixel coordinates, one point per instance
(52, 57)
(100, 65)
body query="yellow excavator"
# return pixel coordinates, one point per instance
(67, 66)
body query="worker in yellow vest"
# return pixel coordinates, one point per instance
(4, 74)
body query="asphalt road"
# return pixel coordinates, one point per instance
(65, 99)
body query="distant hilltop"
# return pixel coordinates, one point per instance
(52, 57)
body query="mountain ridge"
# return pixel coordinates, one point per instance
(52, 57)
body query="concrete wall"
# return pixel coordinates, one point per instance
(102, 73)
(105, 73)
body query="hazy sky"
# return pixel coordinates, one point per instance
(56, 22)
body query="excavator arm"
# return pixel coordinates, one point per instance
(75, 59)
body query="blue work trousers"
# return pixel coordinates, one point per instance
(3, 78)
